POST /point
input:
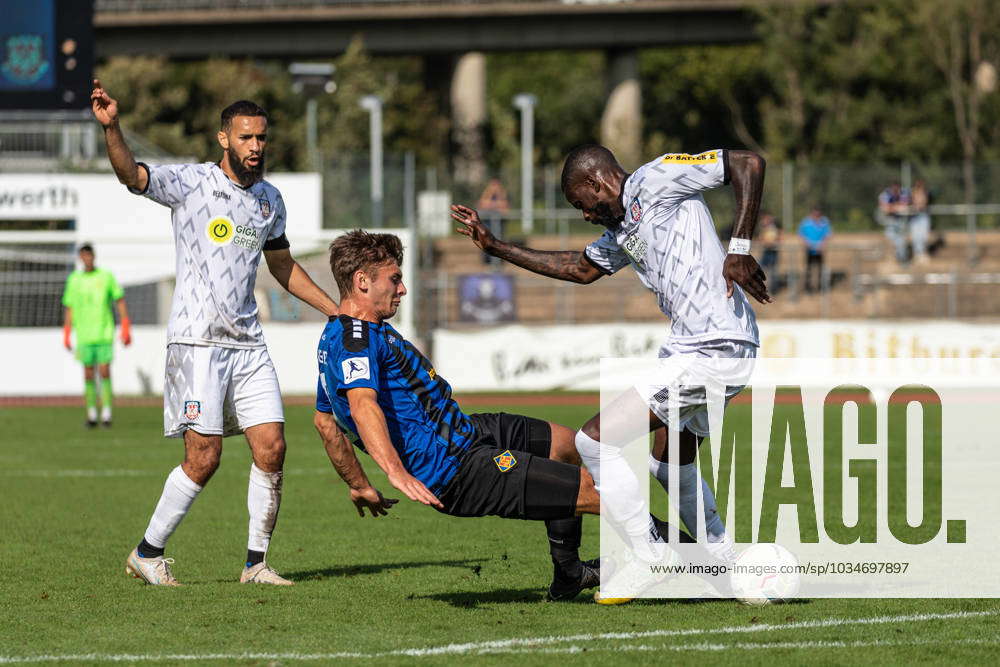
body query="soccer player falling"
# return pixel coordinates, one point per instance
(219, 378)
(658, 223)
(87, 300)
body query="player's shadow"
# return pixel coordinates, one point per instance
(375, 568)
(473, 599)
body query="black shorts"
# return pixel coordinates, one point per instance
(507, 472)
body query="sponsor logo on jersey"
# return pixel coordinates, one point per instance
(505, 461)
(265, 206)
(635, 210)
(246, 237)
(220, 230)
(355, 368)
(708, 157)
(635, 248)
(219, 194)
(192, 410)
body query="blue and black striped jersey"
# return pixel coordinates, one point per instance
(426, 426)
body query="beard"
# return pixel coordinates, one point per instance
(604, 216)
(247, 175)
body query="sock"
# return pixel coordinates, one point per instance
(106, 399)
(90, 397)
(263, 501)
(147, 550)
(179, 493)
(628, 513)
(564, 544)
(254, 557)
(687, 499)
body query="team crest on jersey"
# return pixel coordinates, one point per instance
(265, 207)
(192, 410)
(505, 461)
(635, 210)
(635, 248)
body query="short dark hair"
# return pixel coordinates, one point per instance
(86, 246)
(358, 250)
(241, 108)
(586, 159)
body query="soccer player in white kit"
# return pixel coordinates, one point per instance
(219, 378)
(658, 222)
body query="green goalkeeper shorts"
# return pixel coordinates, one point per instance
(95, 353)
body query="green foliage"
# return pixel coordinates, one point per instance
(570, 89)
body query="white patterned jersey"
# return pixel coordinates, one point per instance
(220, 230)
(669, 238)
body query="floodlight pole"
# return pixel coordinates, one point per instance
(526, 103)
(373, 105)
(312, 79)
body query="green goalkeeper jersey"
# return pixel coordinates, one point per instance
(90, 296)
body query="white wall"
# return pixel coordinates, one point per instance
(566, 357)
(131, 234)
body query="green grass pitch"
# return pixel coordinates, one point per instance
(412, 588)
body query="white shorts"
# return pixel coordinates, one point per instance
(686, 369)
(219, 390)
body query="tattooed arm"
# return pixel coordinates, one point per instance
(568, 265)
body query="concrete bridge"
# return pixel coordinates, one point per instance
(453, 34)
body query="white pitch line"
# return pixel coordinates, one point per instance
(538, 644)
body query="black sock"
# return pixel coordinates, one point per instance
(147, 550)
(564, 544)
(254, 557)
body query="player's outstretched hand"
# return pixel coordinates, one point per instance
(414, 489)
(472, 226)
(104, 107)
(745, 272)
(372, 500)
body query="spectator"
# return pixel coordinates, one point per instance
(893, 214)
(814, 229)
(770, 238)
(920, 220)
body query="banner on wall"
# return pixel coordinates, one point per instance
(521, 358)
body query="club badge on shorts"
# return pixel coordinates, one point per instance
(192, 410)
(505, 461)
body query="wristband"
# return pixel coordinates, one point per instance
(739, 246)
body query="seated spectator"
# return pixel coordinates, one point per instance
(920, 220)
(770, 238)
(814, 229)
(893, 214)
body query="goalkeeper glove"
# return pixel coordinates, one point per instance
(126, 332)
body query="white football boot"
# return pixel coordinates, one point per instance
(155, 571)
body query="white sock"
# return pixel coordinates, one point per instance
(263, 501)
(92, 414)
(628, 513)
(106, 413)
(178, 494)
(687, 499)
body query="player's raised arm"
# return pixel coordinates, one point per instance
(570, 265)
(746, 172)
(105, 110)
(345, 462)
(374, 432)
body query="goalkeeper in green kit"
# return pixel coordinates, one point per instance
(88, 299)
